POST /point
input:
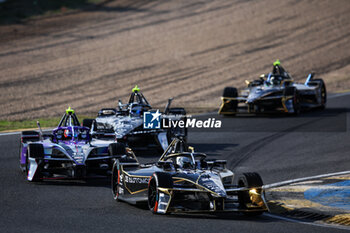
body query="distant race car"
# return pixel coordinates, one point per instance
(69, 152)
(275, 92)
(127, 120)
(185, 181)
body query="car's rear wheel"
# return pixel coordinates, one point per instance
(323, 93)
(157, 180)
(177, 131)
(26, 168)
(117, 149)
(230, 105)
(115, 180)
(89, 123)
(21, 166)
(248, 180)
(35, 151)
(152, 195)
(292, 91)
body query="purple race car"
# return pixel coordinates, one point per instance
(69, 152)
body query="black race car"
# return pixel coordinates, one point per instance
(275, 92)
(127, 123)
(186, 181)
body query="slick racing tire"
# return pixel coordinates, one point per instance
(230, 105)
(175, 132)
(248, 180)
(116, 149)
(89, 122)
(30, 136)
(292, 91)
(323, 93)
(26, 167)
(36, 151)
(23, 168)
(116, 180)
(26, 137)
(158, 180)
(230, 92)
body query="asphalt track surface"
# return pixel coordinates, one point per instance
(279, 148)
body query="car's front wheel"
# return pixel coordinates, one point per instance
(115, 180)
(292, 91)
(35, 151)
(153, 195)
(229, 103)
(253, 181)
(323, 95)
(158, 180)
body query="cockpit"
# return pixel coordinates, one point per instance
(186, 161)
(179, 155)
(279, 76)
(69, 128)
(136, 106)
(137, 109)
(277, 80)
(71, 133)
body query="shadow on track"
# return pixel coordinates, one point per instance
(220, 216)
(328, 112)
(328, 120)
(88, 182)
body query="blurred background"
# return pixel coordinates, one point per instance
(87, 54)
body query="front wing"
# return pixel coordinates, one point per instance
(271, 104)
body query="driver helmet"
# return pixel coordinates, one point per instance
(67, 133)
(184, 162)
(275, 80)
(137, 109)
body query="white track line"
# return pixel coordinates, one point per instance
(304, 179)
(19, 132)
(307, 223)
(11, 133)
(287, 182)
(336, 95)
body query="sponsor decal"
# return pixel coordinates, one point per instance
(192, 123)
(151, 120)
(121, 190)
(136, 180)
(155, 120)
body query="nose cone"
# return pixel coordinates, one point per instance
(213, 183)
(250, 101)
(254, 95)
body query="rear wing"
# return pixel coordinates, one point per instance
(30, 136)
(167, 106)
(34, 136)
(103, 133)
(309, 78)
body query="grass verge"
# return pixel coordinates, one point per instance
(30, 124)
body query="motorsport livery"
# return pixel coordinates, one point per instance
(275, 92)
(69, 152)
(185, 181)
(127, 121)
